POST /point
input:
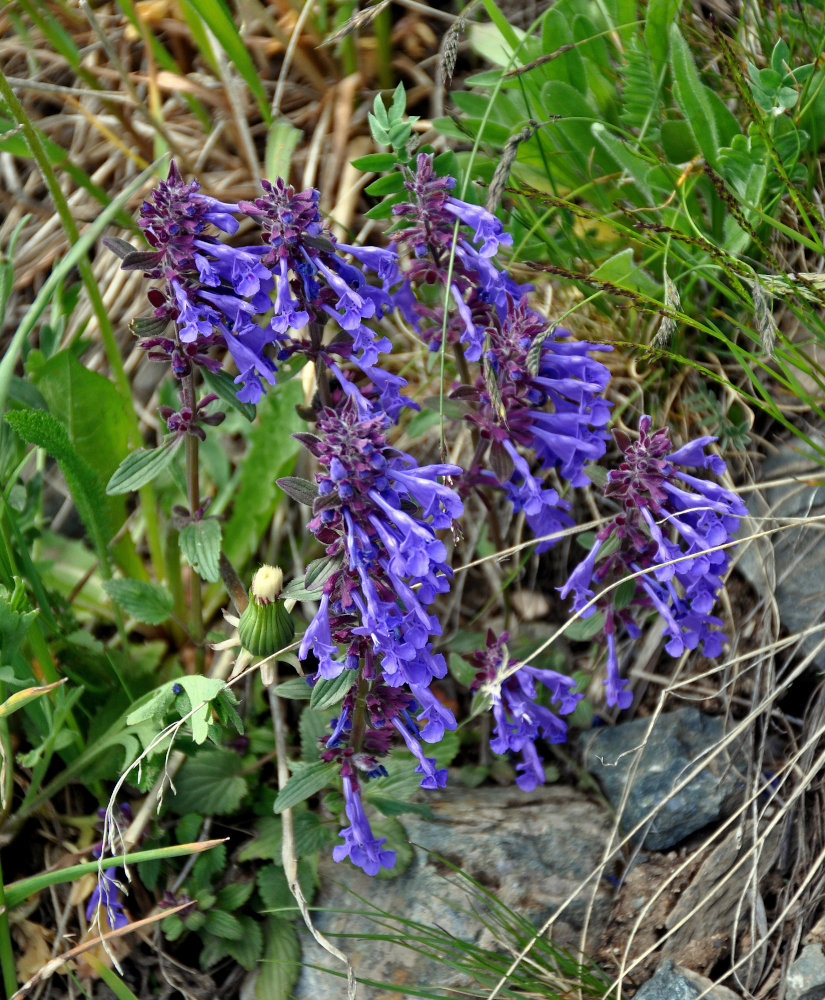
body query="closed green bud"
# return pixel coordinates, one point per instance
(266, 626)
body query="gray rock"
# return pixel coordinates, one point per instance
(529, 850)
(806, 977)
(673, 749)
(672, 982)
(788, 563)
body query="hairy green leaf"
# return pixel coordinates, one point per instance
(147, 602)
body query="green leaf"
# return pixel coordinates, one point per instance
(281, 143)
(312, 726)
(327, 693)
(392, 807)
(43, 430)
(659, 16)
(217, 18)
(223, 385)
(247, 949)
(141, 467)
(274, 888)
(583, 629)
(197, 691)
(210, 783)
(89, 407)
(375, 162)
(692, 97)
(271, 453)
(309, 780)
(311, 835)
(200, 546)
(296, 689)
(388, 184)
(233, 896)
(281, 963)
(147, 602)
(223, 925)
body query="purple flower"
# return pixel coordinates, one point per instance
(674, 529)
(105, 894)
(360, 846)
(520, 719)
(488, 230)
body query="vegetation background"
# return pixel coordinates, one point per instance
(660, 168)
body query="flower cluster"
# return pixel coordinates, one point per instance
(534, 401)
(514, 691)
(377, 512)
(538, 399)
(674, 530)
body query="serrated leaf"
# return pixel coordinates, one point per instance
(312, 726)
(147, 602)
(401, 782)
(327, 693)
(310, 835)
(197, 689)
(141, 467)
(321, 570)
(200, 546)
(209, 782)
(233, 896)
(296, 689)
(280, 965)
(223, 925)
(306, 782)
(205, 868)
(248, 948)
(44, 431)
(274, 888)
(224, 386)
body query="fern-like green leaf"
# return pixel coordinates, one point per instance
(640, 105)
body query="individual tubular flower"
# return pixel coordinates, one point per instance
(514, 690)
(360, 846)
(674, 530)
(106, 894)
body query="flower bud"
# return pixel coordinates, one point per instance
(266, 626)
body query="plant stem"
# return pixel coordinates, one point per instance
(193, 495)
(6, 952)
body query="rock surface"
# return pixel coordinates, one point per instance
(668, 754)
(530, 851)
(806, 977)
(788, 563)
(672, 982)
